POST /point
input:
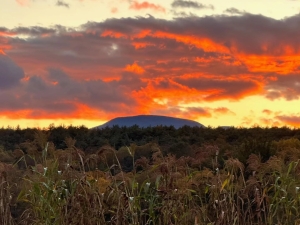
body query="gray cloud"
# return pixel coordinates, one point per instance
(63, 4)
(214, 89)
(234, 11)
(190, 4)
(58, 92)
(182, 14)
(287, 87)
(10, 73)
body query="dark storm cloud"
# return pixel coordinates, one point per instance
(10, 73)
(58, 92)
(248, 32)
(34, 31)
(287, 87)
(218, 89)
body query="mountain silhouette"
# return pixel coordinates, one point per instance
(144, 121)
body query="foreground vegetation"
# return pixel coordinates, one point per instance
(197, 176)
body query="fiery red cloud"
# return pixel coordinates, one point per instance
(135, 68)
(147, 66)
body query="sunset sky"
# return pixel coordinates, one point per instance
(83, 62)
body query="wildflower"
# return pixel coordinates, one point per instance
(59, 172)
(131, 198)
(215, 204)
(45, 170)
(46, 147)
(297, 189)
(146, 187)
(217, 169)
(67, 192)
(175, 190)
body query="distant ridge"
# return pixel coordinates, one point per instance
(144, 121)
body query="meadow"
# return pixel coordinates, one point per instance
(158, 176)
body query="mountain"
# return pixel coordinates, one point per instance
(144, 121)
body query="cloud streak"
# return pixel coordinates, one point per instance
(190, 4)
(23, 2)
(146, 5)
(62, 4)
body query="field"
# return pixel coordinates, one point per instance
(159, 176)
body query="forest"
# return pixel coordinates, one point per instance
(155, 175)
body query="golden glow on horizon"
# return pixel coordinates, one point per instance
(244, 113)
(44, 123)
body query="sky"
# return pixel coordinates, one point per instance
(84, 62)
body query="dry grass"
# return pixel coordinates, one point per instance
(162, 190)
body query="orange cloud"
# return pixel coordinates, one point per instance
(204, 43)
(267, 63)
(290, 120)
(4, 46)
(135, 68)
(82, 111)
(114, 34)
(146, 5)
(6, 33)
(223, 110)
(138, 45)
(267, 111)
(201, 42)
(23, 2)
(114, 10)
(270, 122)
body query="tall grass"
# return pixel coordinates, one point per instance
(5, 199)
(162, 190)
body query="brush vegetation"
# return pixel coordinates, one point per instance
(151, 176)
